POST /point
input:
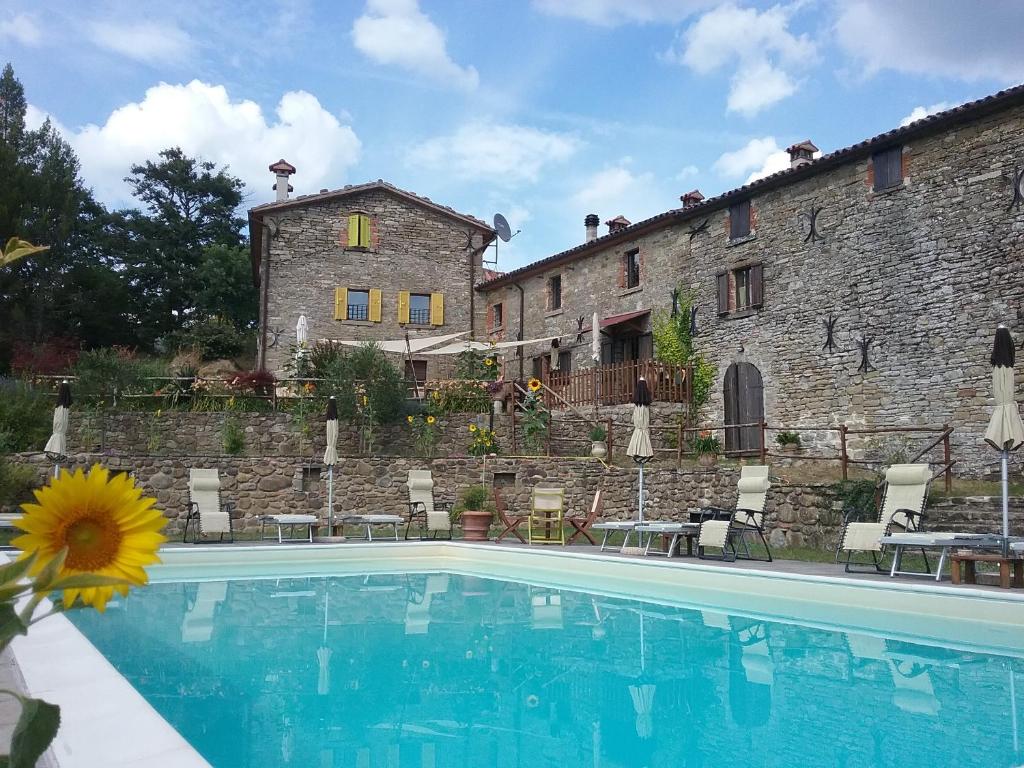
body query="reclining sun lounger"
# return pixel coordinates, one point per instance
(205, 512)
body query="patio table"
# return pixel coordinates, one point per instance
(287, 520)
(944, 542)
(371, 520)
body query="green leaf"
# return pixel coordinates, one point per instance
(14, 571)
(10, 624)
(50, 571)
(35, 730)
(86, 580)
(9, 593)
(5, 761)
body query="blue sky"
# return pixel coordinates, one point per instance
(545, 110)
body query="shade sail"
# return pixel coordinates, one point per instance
(480, 346)
(399, 345)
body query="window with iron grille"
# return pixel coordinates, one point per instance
(739, 220)
(419, 308)
(888, 168)
(358, 305)
(497, 316)
(632, 268)
(554, 293)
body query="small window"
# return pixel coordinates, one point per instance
(539, 364)
(565, 362)
(741, 289)
(419, 308)
(632, 268)
(742, 281)
(554, 293)
(739, 220)
(888, 168)
(358, 305)
(358, 231)
(416, 372)
(497, 316)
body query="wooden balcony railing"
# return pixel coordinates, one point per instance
(615, 383)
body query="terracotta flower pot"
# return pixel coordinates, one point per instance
(475, 525)
(707, 459)
(599, 449)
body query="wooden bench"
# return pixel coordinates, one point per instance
(969, 559)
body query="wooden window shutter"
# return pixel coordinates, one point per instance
(622, 270)
(490, 316)
(757, 285)
(353, 231)
(723, 293)
(403, 306)
(437, 309)
(364, 231)
(341, 303)
(374, 310)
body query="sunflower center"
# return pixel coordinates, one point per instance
(92, 542)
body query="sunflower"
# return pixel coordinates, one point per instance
(431, 419)
(410, 419)
(103, 522)
(472, 427)
(533, 385)
(488, 361)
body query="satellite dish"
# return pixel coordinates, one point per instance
(502, 228)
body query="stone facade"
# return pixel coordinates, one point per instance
(414, 246)
(923, 271)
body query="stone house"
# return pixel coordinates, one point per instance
(365, 262)
(862, 287)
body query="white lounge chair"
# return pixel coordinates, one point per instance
(197, 626)
(903, 500)
(205, 513)
(719, 527)
(434, 516)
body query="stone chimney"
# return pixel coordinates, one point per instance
(692, 198)
(617, 224)
(591, 222)
(282, 170)
(801, 154)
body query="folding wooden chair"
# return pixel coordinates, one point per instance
(511, 522)
(547, 517)
(580, 523)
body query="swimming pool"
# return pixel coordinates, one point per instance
(440, 668)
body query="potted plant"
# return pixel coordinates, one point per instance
(475, 511)
(598, 447)
(707, 447)
(788, 441)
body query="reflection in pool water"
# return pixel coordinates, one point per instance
(439, 670)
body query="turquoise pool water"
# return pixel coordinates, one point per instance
(440, 670)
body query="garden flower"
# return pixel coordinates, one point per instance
(488, 361)
(431, 419)
(472, 427)
(104, 523)
(533, 385)
(410, 419)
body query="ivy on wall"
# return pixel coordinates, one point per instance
(673, 344)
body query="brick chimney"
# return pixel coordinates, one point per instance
(801, 154)
(692, 198)
(617, 224)
(282, 170)
(591, 222)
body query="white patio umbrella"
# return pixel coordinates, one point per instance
(640, 449)
(331, 458)
(57, 446)
(643, 693)
(1005, 430)
(323, 656)
(301, 339)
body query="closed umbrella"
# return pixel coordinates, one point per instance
(642, 693)
(640, 449)
(1005, 430)
(330, 459)
(323, 656)
(57, 446)
(301, 339)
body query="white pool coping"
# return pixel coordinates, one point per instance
(106, 722)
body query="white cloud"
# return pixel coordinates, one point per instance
(398, 33)
(21, 28)
(921, 112)
(757, 46)
(949, 38)
(617, 190)
(746, 158)
(773, 163)
(609, 13)
(502, 154)
(687, 172)
(145, 41)
(204, 121)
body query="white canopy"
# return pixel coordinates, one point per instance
(399, 345)
(481, 346)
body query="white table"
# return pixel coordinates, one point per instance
(371, 520)
(291, 521)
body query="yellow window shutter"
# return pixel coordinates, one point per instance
(374, 311)
(437, 309)
(403, 306)
(353, 231)
(341, 303)
(364, 231)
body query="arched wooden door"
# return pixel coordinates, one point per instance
(744, 404)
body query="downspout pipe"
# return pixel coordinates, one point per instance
(522, 325)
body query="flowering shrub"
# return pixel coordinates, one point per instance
(424, 433)
(706, 442)
(477, 365)
(257, 382)
(483, 442)
(459, 396)
(47, 358)
(534, 418)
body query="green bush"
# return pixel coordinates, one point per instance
(475, 498)
(598, 434)
(213, 339)
(233, 436)
(26, 417)
(674, 345)
(16, 483)
(857, 496)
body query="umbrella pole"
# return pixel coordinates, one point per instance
(1006, 502)
(641, 511)
(1013, 713)
(330, 500)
